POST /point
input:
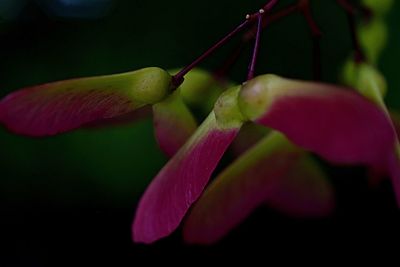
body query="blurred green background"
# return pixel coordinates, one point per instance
(80, 189)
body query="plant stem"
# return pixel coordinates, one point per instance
(366, 12)
(349, 8)
(179, 77)
(358, 53)
(304, 7)
(249, 35)
(271, 18)
(268, 6)
(351, 12)
(253, 62)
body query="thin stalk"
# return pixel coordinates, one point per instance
(358, 52)
(351, 13)
(179, 77)
(366, 12)
(304, 6)
(253, 62)
(251, 34)
(271, 18)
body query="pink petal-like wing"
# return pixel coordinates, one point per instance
(61, 106)
(396, 122)
(180, 182)
(133, 116)
(273, 172)
(338, 124)
(303, 192)
(173, 123)
(378, 173)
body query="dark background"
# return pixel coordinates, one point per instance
(71, 198)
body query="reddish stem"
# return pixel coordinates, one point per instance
(351, 13)
(271, 18)
(349, 8)
(268, 6)
(358, 52)
(253, 62)
(366, 12)
(179, 77)
(304, 7)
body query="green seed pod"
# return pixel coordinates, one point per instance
(373, 37)
(370, 80)
(349, 73)
(366, 79)
(227, 110)
(200, 89)
(62, 106)
(256, 95)
(379, 7)
(149, 85)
